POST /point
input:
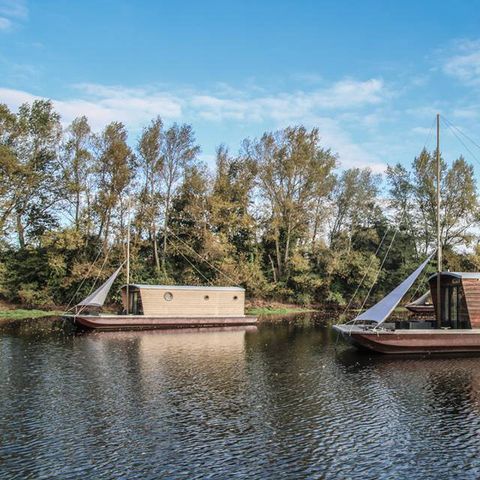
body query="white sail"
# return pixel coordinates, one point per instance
(421, 300)
(97, 298)
(382, 310)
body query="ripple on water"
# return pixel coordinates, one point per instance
(275, 403)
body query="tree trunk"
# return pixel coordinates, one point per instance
(155, 248)
(165, 232)
(273, 269)
(278, 254)
(287, 247)
(77, 210)
(20, 231)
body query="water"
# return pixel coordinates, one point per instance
(273, 403)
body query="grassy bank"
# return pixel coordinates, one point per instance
(24, 314)
(276, 309)
(10, 312)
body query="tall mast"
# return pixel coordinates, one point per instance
(439, 242)
(128, 260)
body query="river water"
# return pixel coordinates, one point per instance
(276, 402)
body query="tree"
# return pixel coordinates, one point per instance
(413, 200)
(178, 153)
(10, 169)
(294, 173)
(30, 163)
(114, 165)
(231, 199)
(189, 228)
(77, 166)
(354, 203)
(151, 163)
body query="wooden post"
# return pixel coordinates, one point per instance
(439, 241)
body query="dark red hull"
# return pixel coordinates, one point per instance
(412, 341)
(140, 322)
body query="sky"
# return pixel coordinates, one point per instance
(371, 75)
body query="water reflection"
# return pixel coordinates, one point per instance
(277, 401)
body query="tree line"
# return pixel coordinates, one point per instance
(280, 217)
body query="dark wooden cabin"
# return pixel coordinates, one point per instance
(460, 299)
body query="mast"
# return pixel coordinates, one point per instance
(439, 242)
(128, 261)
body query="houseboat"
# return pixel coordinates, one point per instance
(455, 327)
(164, 306)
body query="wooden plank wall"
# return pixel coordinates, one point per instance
(471, 288)
(193, 302)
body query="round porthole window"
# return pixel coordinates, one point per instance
(206, 297)
(168, 296)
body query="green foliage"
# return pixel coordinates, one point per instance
(277, 218)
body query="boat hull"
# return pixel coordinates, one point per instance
(421, 309)
(412, 341)
(141, 322)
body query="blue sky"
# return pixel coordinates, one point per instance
(371, 75)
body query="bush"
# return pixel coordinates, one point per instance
(31, 296)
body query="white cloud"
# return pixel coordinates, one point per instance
(11, 11)
(14, 98)
(323, 108)
(14, 8)
(342, 95)
(5, 24)
(464, 63)
(104, 105)
(351, 154)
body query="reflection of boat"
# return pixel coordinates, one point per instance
(165, 306)
(456, 304)
(422, 305)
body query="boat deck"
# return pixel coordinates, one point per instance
(411, 331)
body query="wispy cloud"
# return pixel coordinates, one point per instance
(285, 106)
(14, 8)
(12, 11)
(5, 24)
(323, 108)
(464, 62)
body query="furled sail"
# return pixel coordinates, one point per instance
(382, 310)
(97, 298)
(421, 300)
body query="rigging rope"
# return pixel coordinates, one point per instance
(96, 279)
(67, 309)
(380, 269)
(460, 131)
(452, 128)
(366, 271)
(201, 258)
(192, 265)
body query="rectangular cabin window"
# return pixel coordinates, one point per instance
(450, 306)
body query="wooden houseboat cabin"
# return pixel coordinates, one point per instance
(174, 301)
(460, 299)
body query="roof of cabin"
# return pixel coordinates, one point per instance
(466, 275)
(182, 287)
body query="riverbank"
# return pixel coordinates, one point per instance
(27, 314)
(12, 312)
(265, 307)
